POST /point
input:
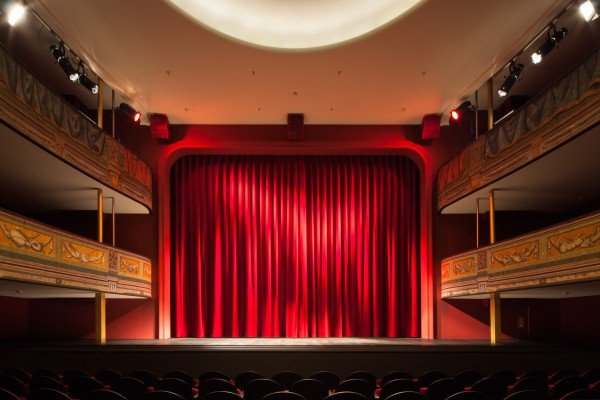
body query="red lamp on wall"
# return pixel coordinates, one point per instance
(159, 126)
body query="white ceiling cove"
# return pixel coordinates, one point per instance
(425, 61)
(293, 24)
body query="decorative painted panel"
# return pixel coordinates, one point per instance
(564, 111)
(48, 120)
(566, 253)
(36, 253)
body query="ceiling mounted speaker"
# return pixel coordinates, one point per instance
(295, 126)
(159, 126)
(430, 127)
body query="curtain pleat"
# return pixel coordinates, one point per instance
(289, 246)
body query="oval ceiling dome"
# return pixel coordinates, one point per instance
(294, 24)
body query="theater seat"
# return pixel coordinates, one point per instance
(258, 388)
(361, 386)
(69, 375)
(364, 375)
(567, 385)
(495, 388)
(534, 382)
(46, 372)
(6, 395)
(103, 394)
(408, 396)
(311, 389)
(284, 396)
(562, 373)
(286, 379)
(213, 375)
(107, 376)
(39, 382)
(583, 394)
(527, 395)
(176, 386)
(184, 376)
(397, 386)
(468, 378)
(214, 385)
(346, 396)
(13, 385)
(147, 377)
(222, 396)
(162, 395)
(427, 378)
(82, 385)
(242, 379)
(328, 378)
(442, 388)
(508, 377)
(131, 388)
(18, 373)
(470, 395)
(47, 394)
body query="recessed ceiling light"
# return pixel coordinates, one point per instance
(15, 13)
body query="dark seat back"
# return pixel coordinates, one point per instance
(214, 385)
(328, 378)
(213, 375)
(258, 388)
(103, 394)
(147, 377)
(184, 376)
(83, 384)
(47, 394)
(286, 379)
(361, 386)
(107, 376)
(176, 386)
(346, 396)
(397, 386)
(442, 388)
(222, 396)
(284, 395)
(364, 375)
(390, 376)
(39, 382)
(13, 385)
(427, 378)
(495, 388)
(311, 389)
(131, 388)
(468, 378)
(244, 378)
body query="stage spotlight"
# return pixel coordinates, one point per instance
(589, 9)
(461, 110)
(549, 44)
(135, 115)
(515, 72)
(15, 13)
(59, 53)
(88, 83)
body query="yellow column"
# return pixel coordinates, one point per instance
(100, 214)
(495, 328)
(492, 218)
(100, 318)
(490, 101)
(100, 105)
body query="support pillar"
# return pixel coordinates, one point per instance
(100, 318)
(100, 214)
(492, 218)
(100, 104)
(490, 103)
(495, 327)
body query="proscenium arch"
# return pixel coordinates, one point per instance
(194, 143)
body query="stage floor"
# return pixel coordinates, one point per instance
(306, 355)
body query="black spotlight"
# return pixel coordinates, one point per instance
(88, 83)
(515, 72)
(59, 54)
(461, 110)
(553, 39)
(135, 115)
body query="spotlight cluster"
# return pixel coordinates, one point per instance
(76, 75)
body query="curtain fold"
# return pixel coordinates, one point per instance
(290, 246)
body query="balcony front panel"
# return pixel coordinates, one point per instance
(566, 253)
(36, 253)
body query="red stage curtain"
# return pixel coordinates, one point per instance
(288, 246)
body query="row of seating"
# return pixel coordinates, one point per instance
(361, 385)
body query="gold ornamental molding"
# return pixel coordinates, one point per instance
(567, 109)
(36, 253)
(45, 118)
(565, 253)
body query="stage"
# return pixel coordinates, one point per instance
(305, 356)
